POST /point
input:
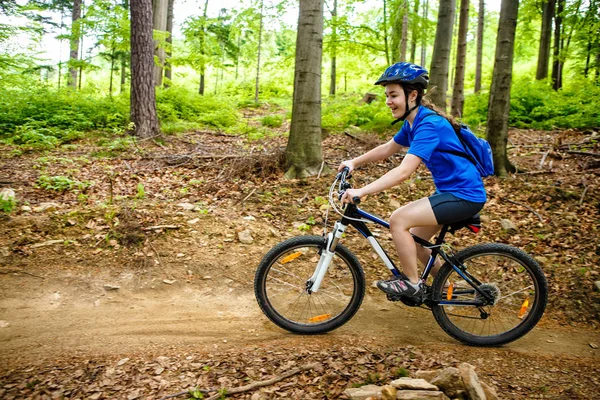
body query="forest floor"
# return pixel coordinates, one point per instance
(117, 289)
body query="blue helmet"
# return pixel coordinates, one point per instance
(404, 72)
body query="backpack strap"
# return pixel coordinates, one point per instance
(460, 138)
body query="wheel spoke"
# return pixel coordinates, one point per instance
(281, 287)
(508, 276)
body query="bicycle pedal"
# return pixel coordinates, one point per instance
(393, 297)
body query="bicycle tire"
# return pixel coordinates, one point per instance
(502, 270)
(280, 287)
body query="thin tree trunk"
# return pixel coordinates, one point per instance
(385, 34)
(124, 57)
(499, 103)
(80, 74)
(424, 34)
(404, 40)
(74, 42)
(169, 52)
(333, 49)
(112, 70)
(260, 29)
(556, 62)
(304, 153)
(159, 18)
(545, 38)
(458, 95)
(587, 58)
(441, 54)
(202, 50)
(143, 100)
(414, 30)
(479, 58)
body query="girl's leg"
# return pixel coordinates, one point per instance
(426, 232)
(417, 213)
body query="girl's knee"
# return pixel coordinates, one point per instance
(398, 221)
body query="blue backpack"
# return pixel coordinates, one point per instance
(477, 150)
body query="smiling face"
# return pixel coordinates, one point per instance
(396, 101)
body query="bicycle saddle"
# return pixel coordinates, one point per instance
(473, 224)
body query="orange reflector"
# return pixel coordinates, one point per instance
(320, 318)
(523, 308)
(291, 257)
(450, 291)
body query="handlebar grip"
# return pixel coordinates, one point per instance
(356, 200)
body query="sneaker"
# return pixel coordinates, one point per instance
(399, 286)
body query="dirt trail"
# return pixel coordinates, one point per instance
(51, 322)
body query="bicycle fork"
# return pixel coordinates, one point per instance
(333, 237)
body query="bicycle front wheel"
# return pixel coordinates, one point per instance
(510, 301)
(282, 287)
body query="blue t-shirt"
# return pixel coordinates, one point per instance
(451, 173)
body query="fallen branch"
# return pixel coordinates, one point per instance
(583, 153)
(20, 271)
(246, 198)
(248, 387)
(156, 252)
(354, 137)
(157, 227)
(524, 205)
(268, 382)
(48, 243)
(583, 194)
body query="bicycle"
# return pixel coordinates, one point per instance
(485, 295)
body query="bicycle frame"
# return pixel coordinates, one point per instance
(358, 218)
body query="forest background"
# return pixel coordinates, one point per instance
(244, 56)
(102, 222)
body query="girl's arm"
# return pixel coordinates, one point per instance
(409, 164)
(380, 152)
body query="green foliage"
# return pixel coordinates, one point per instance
(61, 183)
(343, 111)
(272, 121)
(42, 118)
(536, 105)
(180, 104)
(7, 203)
(141, 191)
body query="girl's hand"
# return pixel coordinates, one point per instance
(348, 163)
(351, 194)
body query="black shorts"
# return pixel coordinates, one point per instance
(448, 208)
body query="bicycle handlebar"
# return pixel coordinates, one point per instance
(344, 185)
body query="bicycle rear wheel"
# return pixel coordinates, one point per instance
(512, 280)
(282, 289)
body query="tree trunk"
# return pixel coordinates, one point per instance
(304, 153)
(545, 37)
(499, 103)
(112, 70)
(169, 51)
(414, 30)
(479, 58)
(260, 29)
(202, 50)
(404, 38)
(333, 49)
(143, 98)
(438, 74)
(74, 43)
(458, 92)
(159, 23)
(424, 34)
(557, 62)
(385, 34)
(124, 56)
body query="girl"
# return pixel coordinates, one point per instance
(429, 136)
